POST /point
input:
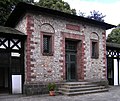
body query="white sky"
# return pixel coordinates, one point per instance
(110, 8)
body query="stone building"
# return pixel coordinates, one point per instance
(58, 47)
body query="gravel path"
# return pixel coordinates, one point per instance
(112, 95)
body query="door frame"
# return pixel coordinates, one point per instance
(68, 53)
(80, 39)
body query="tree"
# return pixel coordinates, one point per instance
(28, 1)
(114, 36)
(96, 15)
(6, 7)
(81, 14)
(57, 5)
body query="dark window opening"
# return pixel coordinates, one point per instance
(70, 46)
(94, 50)
(46, 44)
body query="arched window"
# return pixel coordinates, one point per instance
(94, 45)
(47, 33)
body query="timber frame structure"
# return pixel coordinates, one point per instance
(113, 63)
(11, 57)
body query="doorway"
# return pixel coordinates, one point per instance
(110, 71)
(4, 72)
(4, 87)
(70, 57)
(11, 64)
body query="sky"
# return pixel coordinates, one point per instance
(110, 8)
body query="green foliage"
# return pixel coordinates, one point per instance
(57, 5)
(114, 36)
(51, 86)
(6, 7)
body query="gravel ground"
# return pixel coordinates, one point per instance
(112, 95)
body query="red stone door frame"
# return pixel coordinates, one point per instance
(80, 53)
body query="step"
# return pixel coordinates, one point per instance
(78, 86)
(81, 89)
(84, 92)
(76, 83)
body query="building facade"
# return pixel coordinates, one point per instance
(59, 47)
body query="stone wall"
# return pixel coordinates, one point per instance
(40, 68)
(21, 26)
(38, 88)
(93, 68)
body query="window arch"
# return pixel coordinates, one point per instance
(47, 38)
(94, 45)
(46, 27)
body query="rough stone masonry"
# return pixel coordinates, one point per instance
(40, 68)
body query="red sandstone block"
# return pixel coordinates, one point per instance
(33, 76)
(61, 70)
(29, 33)
(28, 79)
(30, 19)
(28, 42)
(28, 73)
(31, 71)
(31, 24)
(30, 30)
(28, 58)
(28, 65)
(73, 27)
(28, 50)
